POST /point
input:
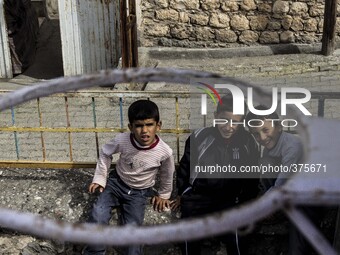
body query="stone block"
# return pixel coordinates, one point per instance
(269, 37)
(248, 5)
(209, 5)
(320, 26)
(264, 7)
(311, 25)
(258, 22)
(219, 20)
(239, 22)
(225, 35)
(162, 3)
(199, 19)
(298, 8)
(230, 6)
(180, 32)
(287, 22)
(157, 30)
(287, 37)
(308, 38)
(274, 25)
(204, 33)
(248, 36)
(281, 7)
(297, 24)
(316, 10)
(337, 28)
(184, 17)
(165, 14)
(182, 4)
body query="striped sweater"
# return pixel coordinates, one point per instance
(137, 166)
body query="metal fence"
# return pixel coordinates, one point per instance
(67, 130)
(52, 132)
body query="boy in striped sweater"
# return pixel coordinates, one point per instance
(142, 155)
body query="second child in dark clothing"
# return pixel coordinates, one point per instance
(222, 145)
(285, 149)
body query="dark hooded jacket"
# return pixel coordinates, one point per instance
(206, 147)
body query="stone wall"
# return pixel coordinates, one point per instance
(217, 23)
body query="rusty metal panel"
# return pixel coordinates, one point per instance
(5, 56)
(89, 33)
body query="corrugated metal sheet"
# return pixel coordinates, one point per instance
(5, 56)
(89, 34)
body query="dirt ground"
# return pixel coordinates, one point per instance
(58, 194)
(62, 194)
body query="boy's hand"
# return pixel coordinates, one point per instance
(175, 204)
(94, 186)
(159, 204)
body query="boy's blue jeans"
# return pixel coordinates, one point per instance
(132, 203)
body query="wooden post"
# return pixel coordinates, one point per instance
(129, 33)
(133, 33)
(328, 37)
(123, 21)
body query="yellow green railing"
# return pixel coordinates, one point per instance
(93, 99)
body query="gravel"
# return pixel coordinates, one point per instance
(61, 194)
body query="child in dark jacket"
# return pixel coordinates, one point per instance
(284, 150)
(200, 193)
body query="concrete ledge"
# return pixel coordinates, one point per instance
(245, 51)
